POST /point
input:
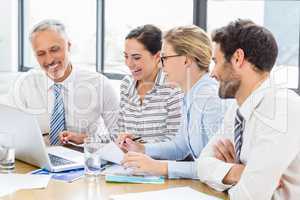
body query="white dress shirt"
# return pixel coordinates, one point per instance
(270, 150)
(91, 105)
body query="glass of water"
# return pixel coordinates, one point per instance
(7, 152)
(92, 158)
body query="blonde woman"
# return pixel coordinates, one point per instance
(185, 58)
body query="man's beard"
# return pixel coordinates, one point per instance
(228, 89)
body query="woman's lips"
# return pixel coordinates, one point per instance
(136, 72)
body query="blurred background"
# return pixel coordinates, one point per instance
(97, 29)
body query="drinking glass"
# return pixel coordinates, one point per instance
(7, 152)
(92, 158)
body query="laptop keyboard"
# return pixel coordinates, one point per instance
(58, 161)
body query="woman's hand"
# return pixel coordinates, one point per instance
(126, 143)
(141, 163)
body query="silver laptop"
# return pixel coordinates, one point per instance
(30, 146)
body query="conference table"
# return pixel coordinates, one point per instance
(87, 188)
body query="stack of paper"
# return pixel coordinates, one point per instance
(116, 170)
(118, 174)
(173, 193)
(12, 182)
(68, 176)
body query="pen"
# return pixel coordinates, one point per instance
(75, 179)
(133, 139)
(136, 138)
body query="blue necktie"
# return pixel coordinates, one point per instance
(239, 126)
(57, 123)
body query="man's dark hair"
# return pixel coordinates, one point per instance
(150, 36)
(258, 43)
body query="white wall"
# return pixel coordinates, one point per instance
(8, 35)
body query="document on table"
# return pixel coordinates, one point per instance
(117, 169)
(178, 193)
(111, 152)
(12, 182)
(68, 176)
(118, 174)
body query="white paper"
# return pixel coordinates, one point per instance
(12, 182)
(117, 169)
(6, 189)
(178, 193)
(111, 152)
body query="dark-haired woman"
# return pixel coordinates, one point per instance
(147, 105)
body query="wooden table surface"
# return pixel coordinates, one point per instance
(96, 188)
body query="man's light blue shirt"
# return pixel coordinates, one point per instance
(202, 116)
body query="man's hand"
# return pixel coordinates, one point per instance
(141, 163)
(280, 184)
(66, 136)
(234, 174)
(224, 150)
(126, 143)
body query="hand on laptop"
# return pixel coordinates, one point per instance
(141, 163)
(66, 136)
(224, 150)
(126, 142)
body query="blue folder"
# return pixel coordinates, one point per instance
(135, 179)
(69, 175)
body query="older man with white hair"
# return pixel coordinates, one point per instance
(68, 102)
